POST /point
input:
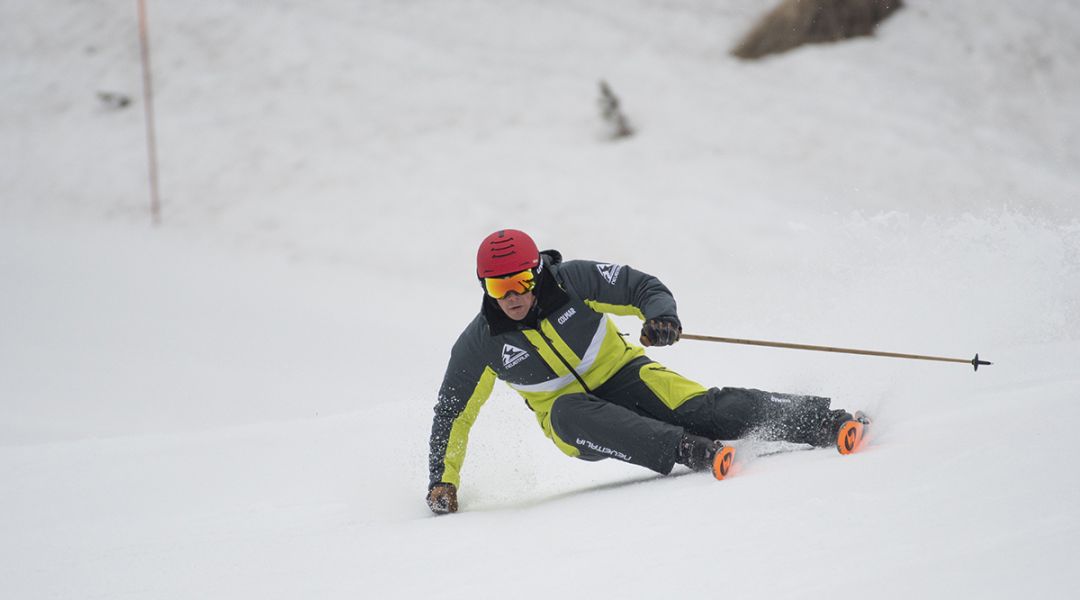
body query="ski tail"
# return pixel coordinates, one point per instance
(852, 434)
(722, 462)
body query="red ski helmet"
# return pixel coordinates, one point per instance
(505, 252)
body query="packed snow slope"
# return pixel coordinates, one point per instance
(236, 404)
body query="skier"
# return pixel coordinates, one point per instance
(541, 329)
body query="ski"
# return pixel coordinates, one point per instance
(850, 438)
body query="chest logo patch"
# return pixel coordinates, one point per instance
(512, 355)
(609, 272)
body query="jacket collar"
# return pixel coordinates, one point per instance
(550, 296)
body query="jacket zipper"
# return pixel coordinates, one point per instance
(564, 361)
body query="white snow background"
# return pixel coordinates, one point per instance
(236, 404)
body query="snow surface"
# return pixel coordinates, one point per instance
(236, 404)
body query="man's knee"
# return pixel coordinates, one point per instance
(565, 419)
(568, 409)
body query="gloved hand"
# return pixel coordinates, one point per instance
(661, 331)
(442, 498)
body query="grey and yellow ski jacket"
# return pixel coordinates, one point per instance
(566, 345)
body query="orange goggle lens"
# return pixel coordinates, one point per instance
(499, 287)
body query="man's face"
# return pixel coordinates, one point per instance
(516, 306)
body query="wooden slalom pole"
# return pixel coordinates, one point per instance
(148, 104)
(975, 362)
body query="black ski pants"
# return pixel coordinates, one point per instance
(638, 416)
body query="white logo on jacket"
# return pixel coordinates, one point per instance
(512, 355)
(609, 272)
(566, 316)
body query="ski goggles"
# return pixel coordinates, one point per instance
(519, 283)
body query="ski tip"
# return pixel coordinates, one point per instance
(722, 462)
(850, 437)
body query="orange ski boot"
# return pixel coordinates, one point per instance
(701, 453)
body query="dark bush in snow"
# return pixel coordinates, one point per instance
(798, 22)
(609, 109)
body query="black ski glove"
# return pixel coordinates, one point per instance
(442, 498)
(661, 331)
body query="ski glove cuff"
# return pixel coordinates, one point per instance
(442, 498)
(661, 331)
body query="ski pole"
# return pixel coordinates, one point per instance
(975, 362)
